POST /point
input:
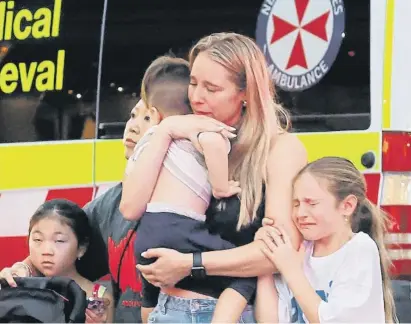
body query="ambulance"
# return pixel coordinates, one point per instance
(311, 35)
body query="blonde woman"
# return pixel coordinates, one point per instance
(229, 85)
(342, 272)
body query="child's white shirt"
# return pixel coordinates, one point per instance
(348, 281)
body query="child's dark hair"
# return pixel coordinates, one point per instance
(165, 85)
(67, 212)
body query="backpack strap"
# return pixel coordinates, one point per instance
(98, 291)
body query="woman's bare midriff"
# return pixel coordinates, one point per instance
(176, 292)
(172, 191)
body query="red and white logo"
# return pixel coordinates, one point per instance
(300, 39)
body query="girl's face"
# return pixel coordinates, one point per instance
(53, 247)
(212, 91)
(138, 123)
(316, 212)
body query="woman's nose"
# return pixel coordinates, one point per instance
(197, 96)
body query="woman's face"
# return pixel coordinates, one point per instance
(212, 91)
(53, 247)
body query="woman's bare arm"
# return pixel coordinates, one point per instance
(287, 157)
(244, 261)
(172, 266)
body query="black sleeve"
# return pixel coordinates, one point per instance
(94, 263)
(245, 286)
(149, 292)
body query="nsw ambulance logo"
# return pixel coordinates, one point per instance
(300, 39)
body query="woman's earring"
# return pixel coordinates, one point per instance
(244, 106)
(346, 218)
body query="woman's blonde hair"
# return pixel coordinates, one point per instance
(260, 122)
(344, 179)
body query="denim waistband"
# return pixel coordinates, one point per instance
(188, 305)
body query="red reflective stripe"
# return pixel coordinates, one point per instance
(373, 185)
(396, 151)
(401, 217)
(80, 196)
(12, 249)
(401, 268)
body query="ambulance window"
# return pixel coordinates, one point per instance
(48, 69)
(151, 29)
(338, 101)
(341, 99)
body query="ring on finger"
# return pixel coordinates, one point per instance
(274, 235)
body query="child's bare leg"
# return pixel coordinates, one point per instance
(144, 313)
(266, 302)
(229, 307)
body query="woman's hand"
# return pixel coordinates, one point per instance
(280, 251)
(189, 127)
(169, 268)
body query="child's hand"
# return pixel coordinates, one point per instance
(96, 311)
(279, 250)
(263, 233)
(19, 269)
(96, 316)
(233, 189)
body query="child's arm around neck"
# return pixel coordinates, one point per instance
(215, 149)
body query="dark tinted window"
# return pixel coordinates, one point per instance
(48, 69)
(58, 105)
(139, 31)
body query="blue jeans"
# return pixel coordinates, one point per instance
(172, 309)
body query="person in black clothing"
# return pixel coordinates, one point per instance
(196, 177)
(229, 84)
